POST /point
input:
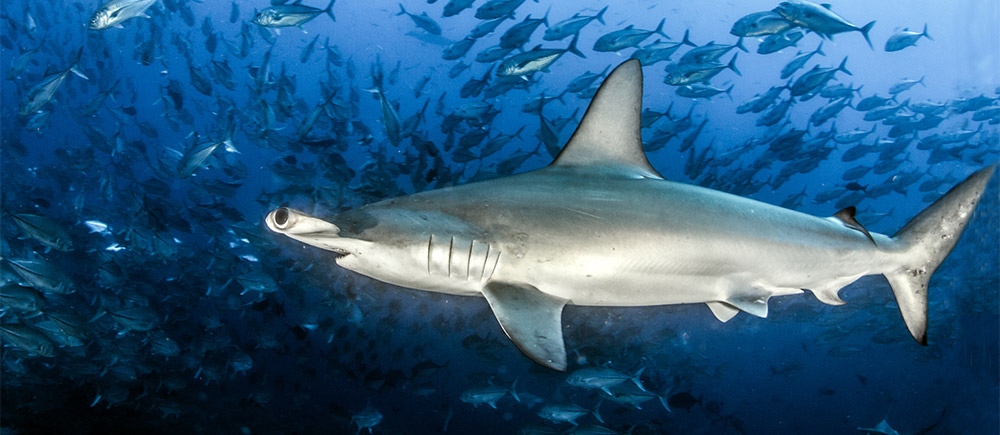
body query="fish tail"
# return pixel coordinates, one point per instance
(819, 49)
(402, 10)
(925, 242)
(864, 32)
(732, 65)
(572, 46)
(637, 379)
(75, 66)
(659, 28)
(600, 15)
(596, 412)
(687, 40)
(843, 67)
(925, 34)
(739, 43)
(663, 401)
(513, 391)
(329, 10)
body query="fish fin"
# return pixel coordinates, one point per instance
(864, 32)
(687, 41)
(76, 70)
(846, 217)
(532, 320)
(926, 240)
(608, 134)
(826, 6)
(659, 28)
(572, 47)
(597, 410)
(753, 301)
(828, 293)
(843, 67)
(723, 311)
(732, 66)
(600, 15)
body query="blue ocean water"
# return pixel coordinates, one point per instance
(166, 304)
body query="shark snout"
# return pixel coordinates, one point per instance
(290, 221)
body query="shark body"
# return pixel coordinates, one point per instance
(600, 227)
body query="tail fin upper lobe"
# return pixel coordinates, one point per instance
(926, 240)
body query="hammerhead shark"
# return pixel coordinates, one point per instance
(600, 227)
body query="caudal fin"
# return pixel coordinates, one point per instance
(926, 240)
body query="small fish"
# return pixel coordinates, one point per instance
(905, 38)
(453, 7)
(42, 93)
(904, 85)
(881, 428)
(114, 12)
(535, 60)
(761, 24)
(777, 42)
(659, 51)
(567, 413)
(292, 15)
(820, 19)
(47, 231)
(367, 418)
(497, 8)
(42, 276)
(688, 73)
(627, 37)
(603, 378)
(571, 26)
(422, 21)
(138, 318)
(27, 338)
(488, 395)
(700, 90)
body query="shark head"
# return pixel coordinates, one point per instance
(391, 242)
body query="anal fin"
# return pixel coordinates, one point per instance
(723, 311)
(753, 299)
(532, 320)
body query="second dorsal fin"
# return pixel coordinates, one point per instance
(846, 216)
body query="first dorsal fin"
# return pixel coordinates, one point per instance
(608, 135)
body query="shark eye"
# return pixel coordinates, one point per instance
(281, 217)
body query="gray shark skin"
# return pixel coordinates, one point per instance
(600, 227)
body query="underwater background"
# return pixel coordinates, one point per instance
(142, 290)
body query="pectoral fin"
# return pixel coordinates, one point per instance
(532, 320)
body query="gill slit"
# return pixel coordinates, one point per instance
(451, 250)
(430, 243)
(468, 263)
(486, 258)
(495, 263)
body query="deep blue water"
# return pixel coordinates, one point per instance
(316, 344)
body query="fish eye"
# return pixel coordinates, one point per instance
(281, 216)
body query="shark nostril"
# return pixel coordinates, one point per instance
(281, 216)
